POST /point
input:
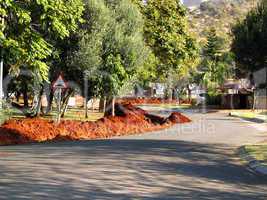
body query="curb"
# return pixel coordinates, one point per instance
(251, 162)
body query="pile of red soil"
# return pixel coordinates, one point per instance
(128, 120)
(178, 118)
(140, 101)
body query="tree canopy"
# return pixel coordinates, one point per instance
(217, 62)
(30, 28)
(250, 40)
(166, 32)
(111, 46)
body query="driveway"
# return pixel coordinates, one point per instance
(190, 161)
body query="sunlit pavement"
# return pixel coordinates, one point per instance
(190, 161)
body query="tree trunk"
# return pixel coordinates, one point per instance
(105, 104)
(50, 98)
(86, 107)
(64, 110)
(86, 95)
(189, 93)
(102, 104)
(113, 106)
(25, 96)
(152, 92)
(110, 107)
(17, 96)
(171, 94)
(65, 102)
(93, 104)
(39, 104)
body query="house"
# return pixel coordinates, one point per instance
(237, 94)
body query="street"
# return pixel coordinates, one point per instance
(190, 161)
(74, 72)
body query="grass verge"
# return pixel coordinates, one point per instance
(3, 117)
(259, 152)
(5, 114)
(75, 114)
(251, 115)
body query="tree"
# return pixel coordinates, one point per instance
(111, 46)
(148, 72)
(166, 32)
(217, 62)
(250, 45)
(30, 32)
(250, 40)
(30, 28)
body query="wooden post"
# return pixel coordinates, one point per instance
(86, 95)
(59, 104)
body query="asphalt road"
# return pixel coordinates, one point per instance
(190, 161)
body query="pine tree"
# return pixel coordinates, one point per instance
(217, 61)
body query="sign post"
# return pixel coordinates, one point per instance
(58, 85)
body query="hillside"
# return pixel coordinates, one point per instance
(221, 14)
(192, 3)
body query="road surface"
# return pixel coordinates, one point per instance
(190, 161)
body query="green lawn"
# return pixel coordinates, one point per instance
(76, 114)
(71, 114)
(259, 152)
(4, 115)
(250, 115)
(2, 118)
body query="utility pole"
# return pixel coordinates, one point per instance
(1, 67)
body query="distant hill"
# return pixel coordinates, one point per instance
(192, 3)
(221, 14)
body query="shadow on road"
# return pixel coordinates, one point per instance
(126, 169)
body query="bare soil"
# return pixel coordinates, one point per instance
(140, 101)
(128, 120)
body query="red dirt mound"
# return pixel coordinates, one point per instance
(177, 117)
(128, 120)
(123, 109)
(140, 101)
